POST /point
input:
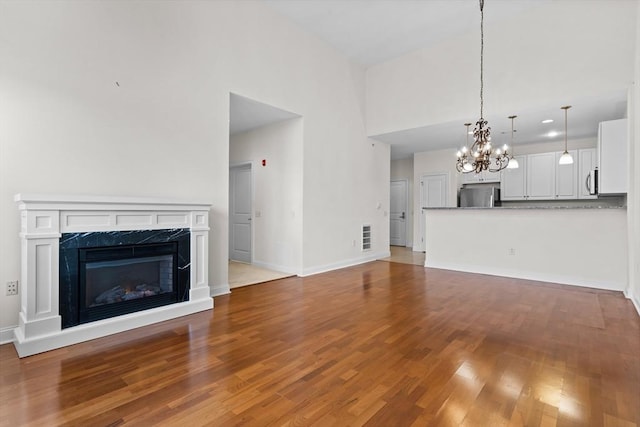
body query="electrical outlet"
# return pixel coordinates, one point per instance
(12, 288)
(512, 251)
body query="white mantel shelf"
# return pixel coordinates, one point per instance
(44, 217)
(88, 202)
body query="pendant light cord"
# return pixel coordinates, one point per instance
(565, 130)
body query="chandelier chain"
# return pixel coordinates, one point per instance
(481, 58)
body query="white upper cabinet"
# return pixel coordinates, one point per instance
(587, 162)
(482, 177)
(612, 153)
(566, 182)
(513, 182)
(541, 176)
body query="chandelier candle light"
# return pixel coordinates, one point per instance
(566, 158)
(482, 156)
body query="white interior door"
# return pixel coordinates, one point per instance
(398, 213)
(240, 197)
(433, 194)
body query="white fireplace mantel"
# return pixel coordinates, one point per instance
(43, 220)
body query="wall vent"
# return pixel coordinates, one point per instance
(366, 238)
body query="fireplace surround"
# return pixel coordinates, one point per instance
(146, 261)
(106, 274)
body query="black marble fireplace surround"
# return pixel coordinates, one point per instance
(83, 255)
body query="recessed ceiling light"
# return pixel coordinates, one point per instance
(553, 134)
(547, 121)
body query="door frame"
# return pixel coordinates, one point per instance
(406, 207)
(252, 166)
(447, 180)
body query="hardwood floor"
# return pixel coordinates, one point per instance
(381, 344)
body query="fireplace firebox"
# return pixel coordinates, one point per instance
(108, 274)
(120, 280)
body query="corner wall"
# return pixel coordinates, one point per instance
(633, 196)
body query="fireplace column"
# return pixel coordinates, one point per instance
(199, 256)
(40, 235)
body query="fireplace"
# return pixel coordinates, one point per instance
(109, 274)
(93, 266)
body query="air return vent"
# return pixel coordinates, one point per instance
(366, 238)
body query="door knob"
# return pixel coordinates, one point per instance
(402, 216)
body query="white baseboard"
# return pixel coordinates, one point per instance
(526, 275)
(6, 335)
(635, 300)
(275, 267)
(345, 263)
(216, 291)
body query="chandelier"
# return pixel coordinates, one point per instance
(482, 156)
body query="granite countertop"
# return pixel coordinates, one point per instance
(529, 207)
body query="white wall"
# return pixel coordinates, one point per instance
(633, 196)
(584, 247)
(552, 54)
(277, 203)
(164, 130)
(402, 169)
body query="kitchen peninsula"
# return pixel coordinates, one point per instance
(583, 246)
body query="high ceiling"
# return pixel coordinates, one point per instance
(374, 31)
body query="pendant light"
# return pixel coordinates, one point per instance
(513, 162)
(566, 158)
(482, 156)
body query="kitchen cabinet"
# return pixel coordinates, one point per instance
(587, 162)
(513, 183)
(541, 176)
(566, 177)
(482, 177)
(612, 161)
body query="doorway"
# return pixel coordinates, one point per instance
(265, 192)
(398, 212)
(240, 208)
